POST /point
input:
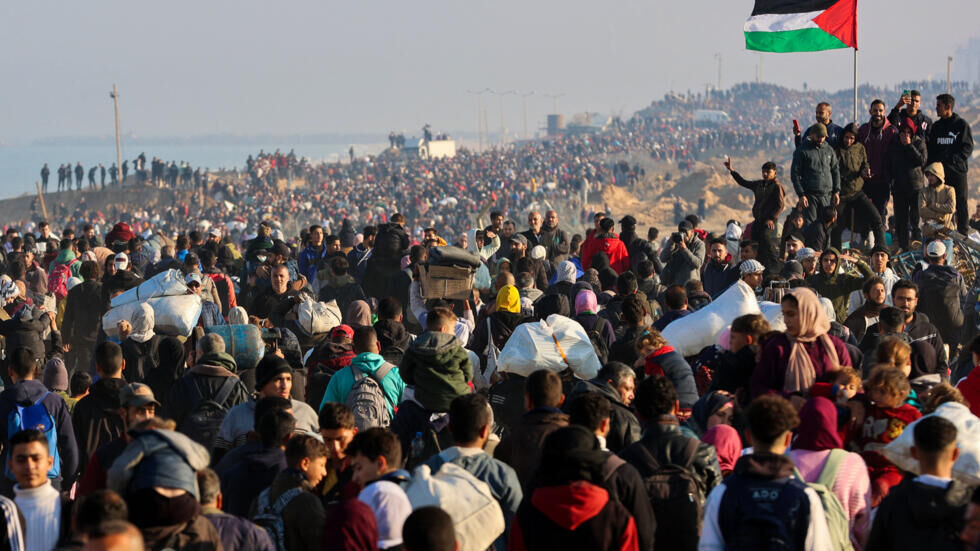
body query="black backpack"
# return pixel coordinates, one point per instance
(764, 515)
(598, 343)
(204, 420)
(676, 496)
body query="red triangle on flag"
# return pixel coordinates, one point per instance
(840, 20)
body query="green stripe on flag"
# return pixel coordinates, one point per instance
(803, 40)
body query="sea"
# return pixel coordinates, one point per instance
(20, 165)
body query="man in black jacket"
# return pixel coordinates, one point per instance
(616, 383)
(951, 143)
(592, 410)
(905, 296)
(908, 107)
(926, 511)
(83, 313)
(96, 417)
(770, 198)
(663, 443)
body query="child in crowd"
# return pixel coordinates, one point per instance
(436, 363)
(886, 416)
(656, 357)
(375, 456)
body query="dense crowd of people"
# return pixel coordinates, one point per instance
(327, 394)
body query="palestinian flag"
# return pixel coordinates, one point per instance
(801, 25)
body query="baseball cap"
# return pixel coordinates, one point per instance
(519, 238)
(121, 260)
(193, 277)
(215, 232)
(342, 332)
(751, 266)
(936, 249)
(135, 395)
(806, 252)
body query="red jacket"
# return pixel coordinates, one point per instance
(579, 515)
(969, 386)
(612, 245)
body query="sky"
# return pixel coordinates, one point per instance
(247, 67)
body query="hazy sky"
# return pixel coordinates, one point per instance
(248, 67)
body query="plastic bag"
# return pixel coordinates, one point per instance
(533, 346)
(173, 315)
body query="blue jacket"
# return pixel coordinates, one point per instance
(238, 534)
(26, 393)
(242, 483)
(343, 381)
(309, 259)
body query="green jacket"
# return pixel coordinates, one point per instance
(837, 287)
(852, 161)
(439, 368)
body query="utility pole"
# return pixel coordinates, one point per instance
(479, 110)
(115, 105)
(501, 96)
(718, 57)
(524, 101)
(949, 74)
(554, 98)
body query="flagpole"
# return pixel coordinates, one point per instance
(855, 85)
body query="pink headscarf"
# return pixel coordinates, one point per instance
(727, 443)
(814, 324)
(585, 301)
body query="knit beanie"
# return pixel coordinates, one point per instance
(55, 376)
(269, 368)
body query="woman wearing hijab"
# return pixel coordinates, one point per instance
(792, 361)
(140, 346)
(587, 314)
(172, 361)
(358, 314)
(713, 409)
(817, 446)
(563, 282)
(567, 507)
(728, 446)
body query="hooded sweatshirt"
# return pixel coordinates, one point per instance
(837, 287)
(439, 368)
(367, 362)
(919, 515)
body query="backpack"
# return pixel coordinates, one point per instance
(763, 515)
(600, 345)
(837, 521)
(268, 516)
(35, 416)
(204, 420)
(477, 517)
(367, 398)
(676, 496)
(58, 280)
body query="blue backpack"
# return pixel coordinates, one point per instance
(35, 416)
(764, 515)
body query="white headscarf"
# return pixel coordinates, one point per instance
(567, 271)
(237, 316)
(142, 324)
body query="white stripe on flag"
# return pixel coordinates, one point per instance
(772, 22)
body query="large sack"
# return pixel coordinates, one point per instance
(174, 315)
(477, 517)
(243, 342)
(773, 313)
(532, 347)
(967, 466)
(314, 318)
(452, 256)
(691, 334)
(164, 284)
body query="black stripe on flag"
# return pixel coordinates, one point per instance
(790, 6)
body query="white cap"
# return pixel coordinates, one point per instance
(751, 266)
(72, 281)
(538, 252)
(121, 260)
(936, 249)
(193, 276)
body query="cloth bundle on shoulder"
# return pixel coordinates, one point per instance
(452, 256)
(557, 343)
(164, 284)
(691, 334)
(173, 315)
(967, 466)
